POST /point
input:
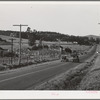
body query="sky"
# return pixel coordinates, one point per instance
(72, 18)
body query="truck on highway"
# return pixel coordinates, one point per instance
(73, 57)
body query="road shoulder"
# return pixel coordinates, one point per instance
(92, 80)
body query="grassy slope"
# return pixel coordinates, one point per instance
(92, 79)
(16, 42)
(8, 37)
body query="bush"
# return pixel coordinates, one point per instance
(2, 67)
(68, 50)
(46, 46)
(10, 54)
(35, 48)
(30, 63)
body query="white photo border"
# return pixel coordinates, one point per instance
(42, 94)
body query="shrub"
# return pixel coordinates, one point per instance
(10, 54)
(2, 67)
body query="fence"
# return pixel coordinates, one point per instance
(32, 56)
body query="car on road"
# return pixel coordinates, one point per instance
(66, 58)
(70, 58)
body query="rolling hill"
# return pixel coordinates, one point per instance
(93, 36)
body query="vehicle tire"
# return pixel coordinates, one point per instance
(78, 60)
(73, 60)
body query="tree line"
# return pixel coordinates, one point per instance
(34, 35)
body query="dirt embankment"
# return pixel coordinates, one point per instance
(70, 80)
(92, 80)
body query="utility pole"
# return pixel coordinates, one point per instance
(20, 25)
(59, 47)
(99, 37)
(12, 49)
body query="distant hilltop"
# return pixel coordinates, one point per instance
(93, 36)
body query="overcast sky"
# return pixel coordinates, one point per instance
(73, 18)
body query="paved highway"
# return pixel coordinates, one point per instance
(24, 78)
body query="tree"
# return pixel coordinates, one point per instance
(46, 46)
(31, 37)
(97, 40)
(68, 50)
(28, 30)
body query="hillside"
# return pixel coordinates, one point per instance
(7, 45)
(7, 38)
(93, 36)
(51, 36)
(4, 41)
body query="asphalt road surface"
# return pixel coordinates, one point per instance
(24, 78)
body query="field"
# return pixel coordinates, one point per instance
(16, 42)
(37, 55)
(25, 44)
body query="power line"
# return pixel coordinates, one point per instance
(20, 25)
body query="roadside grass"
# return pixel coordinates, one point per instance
(67, 81)
(5, 66)
(92, 80)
